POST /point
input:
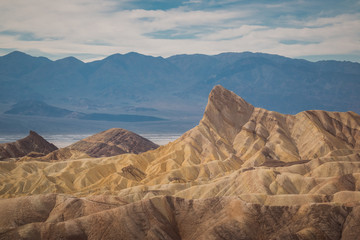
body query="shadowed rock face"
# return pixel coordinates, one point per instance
(32, 143)
(242, 173)
(112, 142)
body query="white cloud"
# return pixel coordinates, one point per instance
(101, 28)
(233, 33)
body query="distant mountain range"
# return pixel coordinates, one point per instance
(181, 82)
(39, 108)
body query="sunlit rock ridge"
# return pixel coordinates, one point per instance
(242, 173)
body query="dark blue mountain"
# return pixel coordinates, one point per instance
(182, 82)
(18, 64)
(277, 83)
(39, 108)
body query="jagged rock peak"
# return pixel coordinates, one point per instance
(226, 111)
(219, 94)
(35, 138)
(34, 134)
(31, 143)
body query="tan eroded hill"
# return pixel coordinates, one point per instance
(250, 161)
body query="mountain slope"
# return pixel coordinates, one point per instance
(39, 108)
(278, 83)
(183, 81)
(32, 143)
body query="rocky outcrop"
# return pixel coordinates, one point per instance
(258, 136)
(32, 143)
(113, 142)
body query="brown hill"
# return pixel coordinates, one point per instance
(113, 142)
(242, 173)
(32, 143)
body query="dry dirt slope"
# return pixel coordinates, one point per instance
(253, 174)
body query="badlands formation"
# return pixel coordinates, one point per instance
(242, 173)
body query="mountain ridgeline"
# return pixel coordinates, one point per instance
(133, 80)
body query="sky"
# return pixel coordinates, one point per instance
(93, 29)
